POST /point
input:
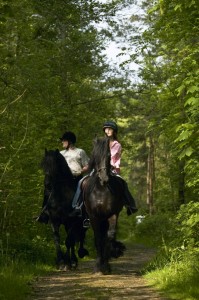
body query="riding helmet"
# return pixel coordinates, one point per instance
(110, 124)
(69, 136)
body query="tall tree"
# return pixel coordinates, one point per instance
(166, 98)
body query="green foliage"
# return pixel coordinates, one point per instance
(176, 236)
(188, 226)
(164, 105)
(155, 229)
(175, 269)
(179, 280)
(126, 227)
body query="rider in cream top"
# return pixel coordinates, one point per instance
(77, 160)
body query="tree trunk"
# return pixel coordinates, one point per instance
(150, 175)
(181, 183)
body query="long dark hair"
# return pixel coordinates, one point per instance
(115, 136)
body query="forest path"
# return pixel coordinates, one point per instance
(125, 282)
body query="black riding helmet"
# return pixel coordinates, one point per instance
(110, 124)
(69, 136)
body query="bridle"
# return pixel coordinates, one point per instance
(103, 178)
(100, 169)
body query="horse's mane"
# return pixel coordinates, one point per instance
(55, 165)
(100, 155)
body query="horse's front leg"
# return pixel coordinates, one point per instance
(106, 249)
(112, 221)
(71, 258)
(74, 260)
(102, 246)
(116, 248)
(59, 254)
(82, 252)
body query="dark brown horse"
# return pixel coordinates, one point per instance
(59, 189)
(103, 202)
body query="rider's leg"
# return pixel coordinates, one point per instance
(77, 205)
(129, 201)
(76, 198)
(77, 202)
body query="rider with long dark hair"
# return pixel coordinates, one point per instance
(110, 129)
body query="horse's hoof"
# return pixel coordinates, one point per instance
(82, 253)
(97, 273)
(106, 272)
(74, 266)
(64, 268)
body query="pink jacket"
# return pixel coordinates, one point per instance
(116, 150)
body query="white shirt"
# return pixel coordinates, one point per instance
(76, 159)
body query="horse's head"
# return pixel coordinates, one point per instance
(49, 162)
(54, 165)
(100, 159)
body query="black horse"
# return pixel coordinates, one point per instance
(103, 201)
(59, 189)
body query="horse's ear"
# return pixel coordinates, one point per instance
(46, 151)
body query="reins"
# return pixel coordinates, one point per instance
(46, 206)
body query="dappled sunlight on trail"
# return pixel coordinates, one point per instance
(125, 282)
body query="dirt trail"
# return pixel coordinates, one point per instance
(125, 282)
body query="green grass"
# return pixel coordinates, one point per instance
(175, 270)
(16, 278)
(178, 280)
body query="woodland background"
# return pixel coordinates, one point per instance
(54, 76)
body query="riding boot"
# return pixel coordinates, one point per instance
(77, 212)
(77, 201)
(129, 201)
(77, 204)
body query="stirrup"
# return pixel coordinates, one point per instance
(86, 223)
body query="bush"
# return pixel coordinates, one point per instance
(155, 229)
